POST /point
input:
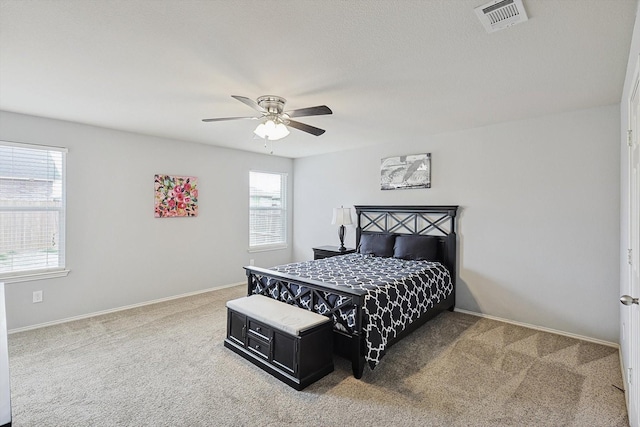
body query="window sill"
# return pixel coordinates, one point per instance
(267, 248)
(28, 277)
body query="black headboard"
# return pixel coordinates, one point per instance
(439, 221)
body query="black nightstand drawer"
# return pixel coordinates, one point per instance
(329, 251)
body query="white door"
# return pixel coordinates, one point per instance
(630, 345)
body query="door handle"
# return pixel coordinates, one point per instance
(628, 300)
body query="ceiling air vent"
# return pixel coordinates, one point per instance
(500, 14)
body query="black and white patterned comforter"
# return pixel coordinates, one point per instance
(398, 292)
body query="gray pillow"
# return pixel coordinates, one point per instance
(419, 248)
(377, 244)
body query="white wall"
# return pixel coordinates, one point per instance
(539, 218)
(118, 253)
(538, 227)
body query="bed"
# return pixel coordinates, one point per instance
(402, 275)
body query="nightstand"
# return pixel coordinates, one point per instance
(329, 251)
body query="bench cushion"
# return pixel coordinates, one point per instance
(287, 318)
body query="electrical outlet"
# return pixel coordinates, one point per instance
(37, 296)
(251, 261)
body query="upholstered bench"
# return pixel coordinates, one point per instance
(292, 344)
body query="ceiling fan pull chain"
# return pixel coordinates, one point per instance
(265, 144)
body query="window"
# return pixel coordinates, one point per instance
(267, 210)
(32, 211)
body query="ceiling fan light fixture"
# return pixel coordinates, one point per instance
(271, 131)
(274, 121)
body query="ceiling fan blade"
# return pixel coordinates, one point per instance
(306, 128)
(220, 119)
(250, 102)
(310, 111)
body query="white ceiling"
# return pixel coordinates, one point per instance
(389, 70)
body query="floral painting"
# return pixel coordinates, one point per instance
(176, 196)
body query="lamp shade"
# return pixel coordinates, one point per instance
(341, 216)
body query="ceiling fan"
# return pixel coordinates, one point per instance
(274, 120)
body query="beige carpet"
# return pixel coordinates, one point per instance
(165, 365)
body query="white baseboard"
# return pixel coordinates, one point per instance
(540, 328)
(113, 310)
(142, 304)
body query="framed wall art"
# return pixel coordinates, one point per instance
(405, 172)
(176, 196)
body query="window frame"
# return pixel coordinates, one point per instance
(52, 272)
(284, 209)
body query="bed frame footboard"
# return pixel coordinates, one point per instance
(349, 342)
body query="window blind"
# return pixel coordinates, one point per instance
(32, 208)
(267, 210)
